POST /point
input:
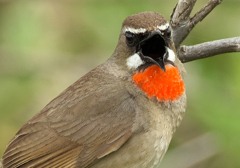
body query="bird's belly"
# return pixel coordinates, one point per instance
(144, 150)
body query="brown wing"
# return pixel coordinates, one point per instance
(73, 130)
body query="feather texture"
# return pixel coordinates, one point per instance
(76, 133)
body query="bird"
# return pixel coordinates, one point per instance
(123, 113)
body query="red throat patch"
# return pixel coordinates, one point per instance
(165, 86)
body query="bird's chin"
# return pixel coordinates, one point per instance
(169, 65)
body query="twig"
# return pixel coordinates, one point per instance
(182, 25)
(204, 12)
(180, 19)
(208, 49)
(181, 22)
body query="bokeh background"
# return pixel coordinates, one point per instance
(47, 45)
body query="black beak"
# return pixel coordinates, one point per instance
(152, 49)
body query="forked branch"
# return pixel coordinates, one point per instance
(182, 24)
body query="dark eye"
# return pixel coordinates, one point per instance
(130, 39)
(168, 33)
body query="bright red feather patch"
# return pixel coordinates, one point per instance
(165, 86)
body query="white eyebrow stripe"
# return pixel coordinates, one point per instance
(135, 31)
(163, 27)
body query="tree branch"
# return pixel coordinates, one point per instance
(182, 25)
(181, 22)
(180, 19)
(208, 49)
(204, 12)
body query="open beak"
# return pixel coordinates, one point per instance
(153, 49)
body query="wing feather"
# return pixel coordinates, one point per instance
(77, 131)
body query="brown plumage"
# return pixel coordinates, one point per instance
(103, 120)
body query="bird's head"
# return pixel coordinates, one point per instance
(147, 50)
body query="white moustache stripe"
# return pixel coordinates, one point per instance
(134, 61)
(171, 54)
(134, 31)
(163, 27)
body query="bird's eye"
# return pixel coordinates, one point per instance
(168, 33)
(130, 39)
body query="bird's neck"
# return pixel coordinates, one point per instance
(165, 86)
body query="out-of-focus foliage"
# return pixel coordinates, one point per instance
(47, 45)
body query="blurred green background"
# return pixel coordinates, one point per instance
(47, 45)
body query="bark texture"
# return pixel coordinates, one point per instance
(182, 24)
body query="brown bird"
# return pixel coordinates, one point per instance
(121, 114)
